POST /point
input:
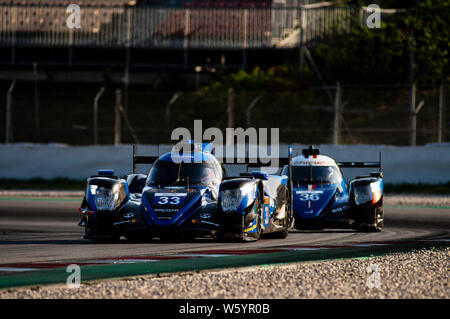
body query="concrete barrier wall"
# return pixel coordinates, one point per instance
(421, 164)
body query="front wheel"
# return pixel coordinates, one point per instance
(249, 233)
(282, 234)
(377, 224)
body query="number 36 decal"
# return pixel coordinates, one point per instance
(306, 197)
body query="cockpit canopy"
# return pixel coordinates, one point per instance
(166, 172)
(310, 174)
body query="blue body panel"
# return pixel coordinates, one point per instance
(311, 201)
(180, 217)
(165, 209)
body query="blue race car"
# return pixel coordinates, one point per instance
(322, 198)
(185, 198)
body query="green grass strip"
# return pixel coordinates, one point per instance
(95, 272)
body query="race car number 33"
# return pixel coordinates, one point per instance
(169, 199)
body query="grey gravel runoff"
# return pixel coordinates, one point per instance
(420, 274)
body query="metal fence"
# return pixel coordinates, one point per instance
(66, 114)
(149, 27)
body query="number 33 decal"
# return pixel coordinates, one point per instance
(306, 197)
(173, 200)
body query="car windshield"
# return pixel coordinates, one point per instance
(316, 175)
(171, 174)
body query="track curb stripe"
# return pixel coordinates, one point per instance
(96, 272)
(15, 267)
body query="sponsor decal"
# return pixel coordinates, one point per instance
(339, 209)
(171, 194)
(304, 163)
(166, 210)
(122, 222)
(169, 198)
(205, 215)
(209, 223)
(309, 197)
(309, 192)
(128, 215)
(249, 229)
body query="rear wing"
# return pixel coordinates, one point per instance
(141, 159)
(250, 162)
(361, 164)
(259, 162)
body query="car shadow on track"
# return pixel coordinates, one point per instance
(44, 242)
(320, 231)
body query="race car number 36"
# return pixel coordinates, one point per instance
(306, 197)
(169, 198)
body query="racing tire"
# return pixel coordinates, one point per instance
(378, 224)
(287, 222)
(281, 234)
(368, 229)
(258, 224)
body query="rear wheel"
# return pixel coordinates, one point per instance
(258, 222)
(287, 220)
(282, 234)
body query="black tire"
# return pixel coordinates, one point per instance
(378, 224)
(258, 224)
(282, 234)
(287, 221)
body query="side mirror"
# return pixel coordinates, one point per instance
(261, 175)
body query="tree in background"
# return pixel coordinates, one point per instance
(382, 55)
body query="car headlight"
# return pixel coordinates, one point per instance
(367, 193)
(231, 199)
(106, 198)
(363, 194)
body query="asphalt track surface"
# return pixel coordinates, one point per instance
(48, 231)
